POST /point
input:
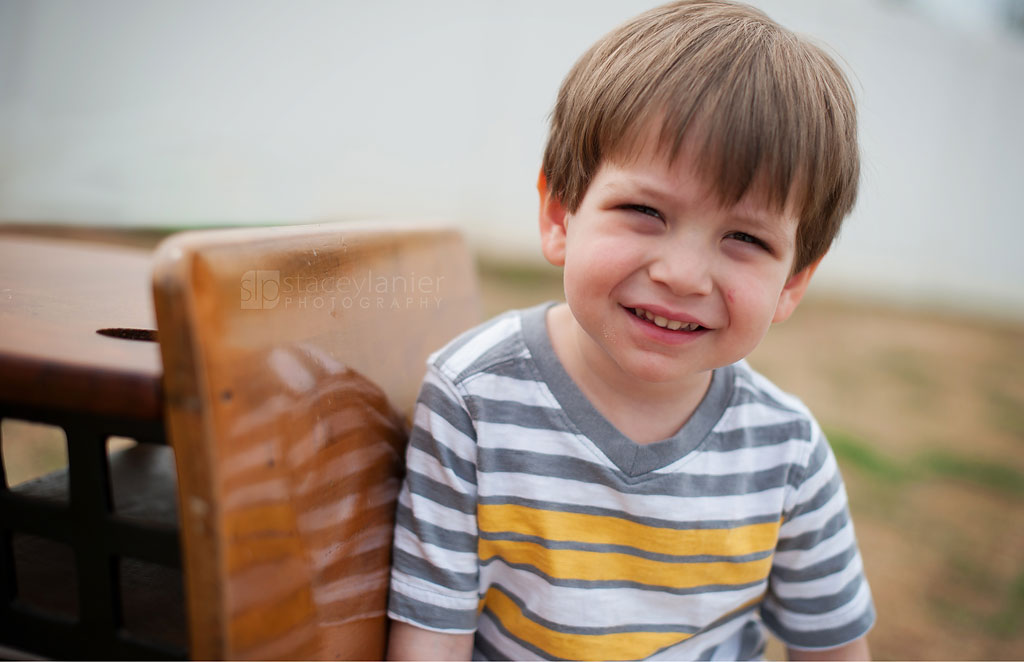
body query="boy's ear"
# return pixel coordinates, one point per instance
(552, 224)
(794, 290)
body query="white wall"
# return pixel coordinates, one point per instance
(192, 112)
(943, 143)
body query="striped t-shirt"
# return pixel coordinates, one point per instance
(528, 518)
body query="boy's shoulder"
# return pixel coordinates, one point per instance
(753, 387)
(760, 412)
(482, 348)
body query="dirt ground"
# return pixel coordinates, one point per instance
(926, 415)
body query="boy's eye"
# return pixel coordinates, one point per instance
(643, 209)
(749, 239)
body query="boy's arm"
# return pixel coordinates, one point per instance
(435, 565)
(818, 594)
(855, 650)
(408, 642)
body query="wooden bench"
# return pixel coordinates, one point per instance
(78, 544)
(291, 359)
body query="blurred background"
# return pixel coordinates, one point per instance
(123, 115)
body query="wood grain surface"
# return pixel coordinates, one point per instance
(54, 297)
(292, 360)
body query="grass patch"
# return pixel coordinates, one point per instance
(957, 614)
(990, 475)
(1010, 620)
(853, 451)
(970, 575)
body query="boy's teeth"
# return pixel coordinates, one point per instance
(664, 322)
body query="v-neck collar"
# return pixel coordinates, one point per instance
(631, 458)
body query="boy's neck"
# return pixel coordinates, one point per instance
(643, 411)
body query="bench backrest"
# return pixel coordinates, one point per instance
(292, 358)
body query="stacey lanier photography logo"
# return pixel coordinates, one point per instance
(265, 289)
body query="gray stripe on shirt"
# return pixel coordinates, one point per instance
(421, 440)
(450, 579)
(829, 566)
(827, 638)
(818, 500)
(439, 493)
(810, 539)
(630, 517)
(693, 485)
(458, 541)
(438, 617)
(487, 410)
(755, 437)
(440, 403)
(824, 603)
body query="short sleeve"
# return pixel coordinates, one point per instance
(435, 574)
(818, 596)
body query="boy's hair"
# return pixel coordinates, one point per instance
(772, 110)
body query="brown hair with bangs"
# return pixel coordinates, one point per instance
(774, 112)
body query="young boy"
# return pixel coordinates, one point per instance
(607, 478)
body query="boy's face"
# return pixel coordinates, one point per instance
(649, 240)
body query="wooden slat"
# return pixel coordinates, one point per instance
(293, 357)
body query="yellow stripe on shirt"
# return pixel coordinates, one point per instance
(605, 530)
(571, 564)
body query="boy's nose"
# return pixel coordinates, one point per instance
(684, 268)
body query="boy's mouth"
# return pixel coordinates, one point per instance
(664, 322)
